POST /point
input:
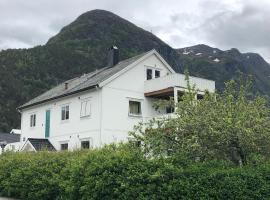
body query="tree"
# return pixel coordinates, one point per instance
(232, 126)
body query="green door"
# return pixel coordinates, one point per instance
(47, 123)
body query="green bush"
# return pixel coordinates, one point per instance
(125, 173)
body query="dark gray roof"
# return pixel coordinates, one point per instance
(9, 137)
(41, 144)
(84, 82)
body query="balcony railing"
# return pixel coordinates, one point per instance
(178, 80)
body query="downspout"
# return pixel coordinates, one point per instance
(101, 115)
(21, 125)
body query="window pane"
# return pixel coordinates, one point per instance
(169, 109)
(85, 145)
(157, 73)
(82, 108)
(34, 120)
(199, 96)
(31, 120)
(64, 146)
(149, 74)
(87, 108)
(135, 107)
(67, 114)
(63, 113)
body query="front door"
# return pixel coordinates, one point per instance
(47, 123)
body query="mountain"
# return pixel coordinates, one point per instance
(222, 66)
(81, 47)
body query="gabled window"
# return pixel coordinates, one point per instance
(135, 108)
(65, 113)
(33, 120)
(85, 108)
(157, 73)
(149, 74)
(64, 146)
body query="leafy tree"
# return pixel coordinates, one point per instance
(232, 125)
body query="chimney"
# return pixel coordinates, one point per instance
(66, 85)
(113, 56)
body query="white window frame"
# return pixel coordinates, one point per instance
(154, 69)
(65, 110)
(132, 114)
(83, 111)
(33, 123)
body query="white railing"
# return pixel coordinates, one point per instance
(178, 80)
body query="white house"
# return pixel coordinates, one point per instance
(103, 106)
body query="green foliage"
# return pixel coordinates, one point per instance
(230, 126)
(124, 172)
(30, 175)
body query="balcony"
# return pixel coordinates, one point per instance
(172, 84)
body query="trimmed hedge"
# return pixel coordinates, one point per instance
(123, 173)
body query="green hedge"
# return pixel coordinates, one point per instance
(123, 173)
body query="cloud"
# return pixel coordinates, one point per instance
(244, 24)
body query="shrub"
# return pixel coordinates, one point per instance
(125, 173)
(31, 175)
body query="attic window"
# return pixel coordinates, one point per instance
(157, 73)
(149, 74)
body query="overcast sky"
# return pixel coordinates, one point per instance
(243, 24)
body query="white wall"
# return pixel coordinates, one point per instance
(116, 123)
(72, 130)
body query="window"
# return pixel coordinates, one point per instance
(135, 108)
(199, 96)
(157, 73)
(169, 109)
(33, 120)
(135, 142)
(85, 108)
(149, 74)
(65, 113)
(64, 146)
(85, 144)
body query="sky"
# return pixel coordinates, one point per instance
(225, 24)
